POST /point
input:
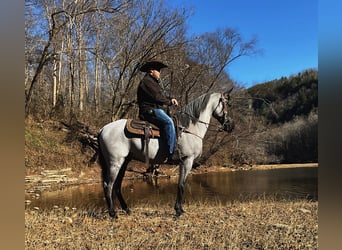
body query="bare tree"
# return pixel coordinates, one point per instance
(61, 18)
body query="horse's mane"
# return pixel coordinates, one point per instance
(192, 110)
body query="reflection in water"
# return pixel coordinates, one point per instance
(295, 183)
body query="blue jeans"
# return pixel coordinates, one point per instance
(167, 128)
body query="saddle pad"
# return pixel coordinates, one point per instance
(137, 127)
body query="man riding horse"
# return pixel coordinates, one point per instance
(117, 147)
(152, 100)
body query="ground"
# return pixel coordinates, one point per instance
(51, 163)
(259, 224)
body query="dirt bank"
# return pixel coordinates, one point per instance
(276, 166)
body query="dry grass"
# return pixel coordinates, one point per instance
(261, 224)
(47, 147)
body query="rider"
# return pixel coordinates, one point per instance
(152, 100)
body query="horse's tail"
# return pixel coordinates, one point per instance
(101, 159)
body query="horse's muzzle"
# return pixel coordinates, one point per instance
(229, 125)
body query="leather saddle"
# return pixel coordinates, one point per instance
(142, 128)
(145, 130)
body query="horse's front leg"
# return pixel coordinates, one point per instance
(178, 206)
(184, 170)
(122, 200)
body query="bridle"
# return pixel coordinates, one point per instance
(224, 120)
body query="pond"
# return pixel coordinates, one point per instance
(289, 183)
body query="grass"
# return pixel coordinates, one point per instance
(260, 224)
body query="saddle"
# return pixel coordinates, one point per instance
(146, 130)
(142, 128)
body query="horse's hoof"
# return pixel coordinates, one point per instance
(179, 213)
(128, 211)
(113, 215)
(177, 216)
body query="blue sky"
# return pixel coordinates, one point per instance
(286, 30)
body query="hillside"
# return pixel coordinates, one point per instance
(288, 113)
(295, 96)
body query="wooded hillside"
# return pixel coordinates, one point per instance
(288, 97)
(276, 122)
(287, 118)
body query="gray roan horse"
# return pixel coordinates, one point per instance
(117, 148)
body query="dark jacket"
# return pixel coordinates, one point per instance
(150, 95)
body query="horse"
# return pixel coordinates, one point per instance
(117, 147)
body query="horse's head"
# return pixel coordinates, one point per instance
(221, 112)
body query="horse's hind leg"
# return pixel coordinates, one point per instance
(108, 185)
(117, 186)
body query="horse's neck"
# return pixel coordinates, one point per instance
(204, 119)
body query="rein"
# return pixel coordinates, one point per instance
(206, 123)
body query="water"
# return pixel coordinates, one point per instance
(292, 183)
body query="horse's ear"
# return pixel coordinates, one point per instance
(228, 91)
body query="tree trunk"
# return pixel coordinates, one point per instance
(54, 84)
(97, 84)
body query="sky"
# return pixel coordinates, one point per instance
(286, 31)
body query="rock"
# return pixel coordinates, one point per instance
(49, 181)
(305, 211)
(54, 172)
(81, 174)
(68, 220)
(281, 226)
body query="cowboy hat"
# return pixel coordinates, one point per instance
(152, 65)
